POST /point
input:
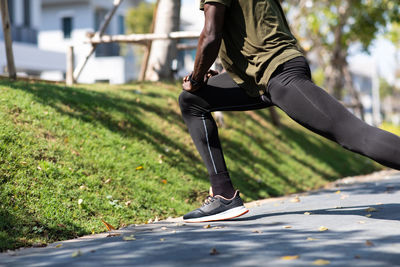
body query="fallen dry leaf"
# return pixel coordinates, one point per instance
(287, 226)
(322, 229)
(129, 238)
(338, 192)
(214, 251)
(218, 227)
(368, 215)
(290, 257)
(371, 210)
(321, 262)
(256, 231)
(58, 246)
(307, 213)
(311, 239)
(77, 253)
(295, 200)
(139, 168)
(207, 226)
(108, 226)
(164, 181)
(107, 181)
(369, 243)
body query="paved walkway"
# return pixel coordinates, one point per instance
(354, 224)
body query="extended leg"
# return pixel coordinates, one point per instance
(294, 92)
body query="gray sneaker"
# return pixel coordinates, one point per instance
(217, 208)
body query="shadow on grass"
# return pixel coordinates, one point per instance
(12, 237)
(96, 107)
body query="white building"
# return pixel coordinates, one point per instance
(25, 16)
(66, 23)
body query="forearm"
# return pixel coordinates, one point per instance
(207, 52)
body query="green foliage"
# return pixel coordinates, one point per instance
(385, 89)
(330, 27)
(71, 156)
(359, 20)
(394, 34)
(139, 19)
(318, 77)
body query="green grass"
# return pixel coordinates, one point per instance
(63, 145)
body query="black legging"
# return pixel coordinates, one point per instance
(292, 90)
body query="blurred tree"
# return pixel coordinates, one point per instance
(330, 27)
(163, 52)
(385, 88)
(394, 36)
(139, 19)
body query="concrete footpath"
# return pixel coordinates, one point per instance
(356, 222)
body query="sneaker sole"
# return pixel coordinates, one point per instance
(226, 215)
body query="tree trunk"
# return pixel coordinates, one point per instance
(163, 52)
(12, 73)
(356, 101)
(336, 80)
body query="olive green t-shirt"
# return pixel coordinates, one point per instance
(256, 40)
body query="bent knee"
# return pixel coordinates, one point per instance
(187, 101)
(192, 104)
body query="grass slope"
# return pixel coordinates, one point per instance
(71, 156)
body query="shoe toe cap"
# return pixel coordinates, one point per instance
(193, 214)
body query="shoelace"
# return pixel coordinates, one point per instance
(208, 200)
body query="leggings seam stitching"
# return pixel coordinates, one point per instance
(208, 143)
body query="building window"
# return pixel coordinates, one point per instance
(99, 16)
(27, 13)
(67, 27)
(121, 24)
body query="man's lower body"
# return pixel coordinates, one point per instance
(291, 89)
